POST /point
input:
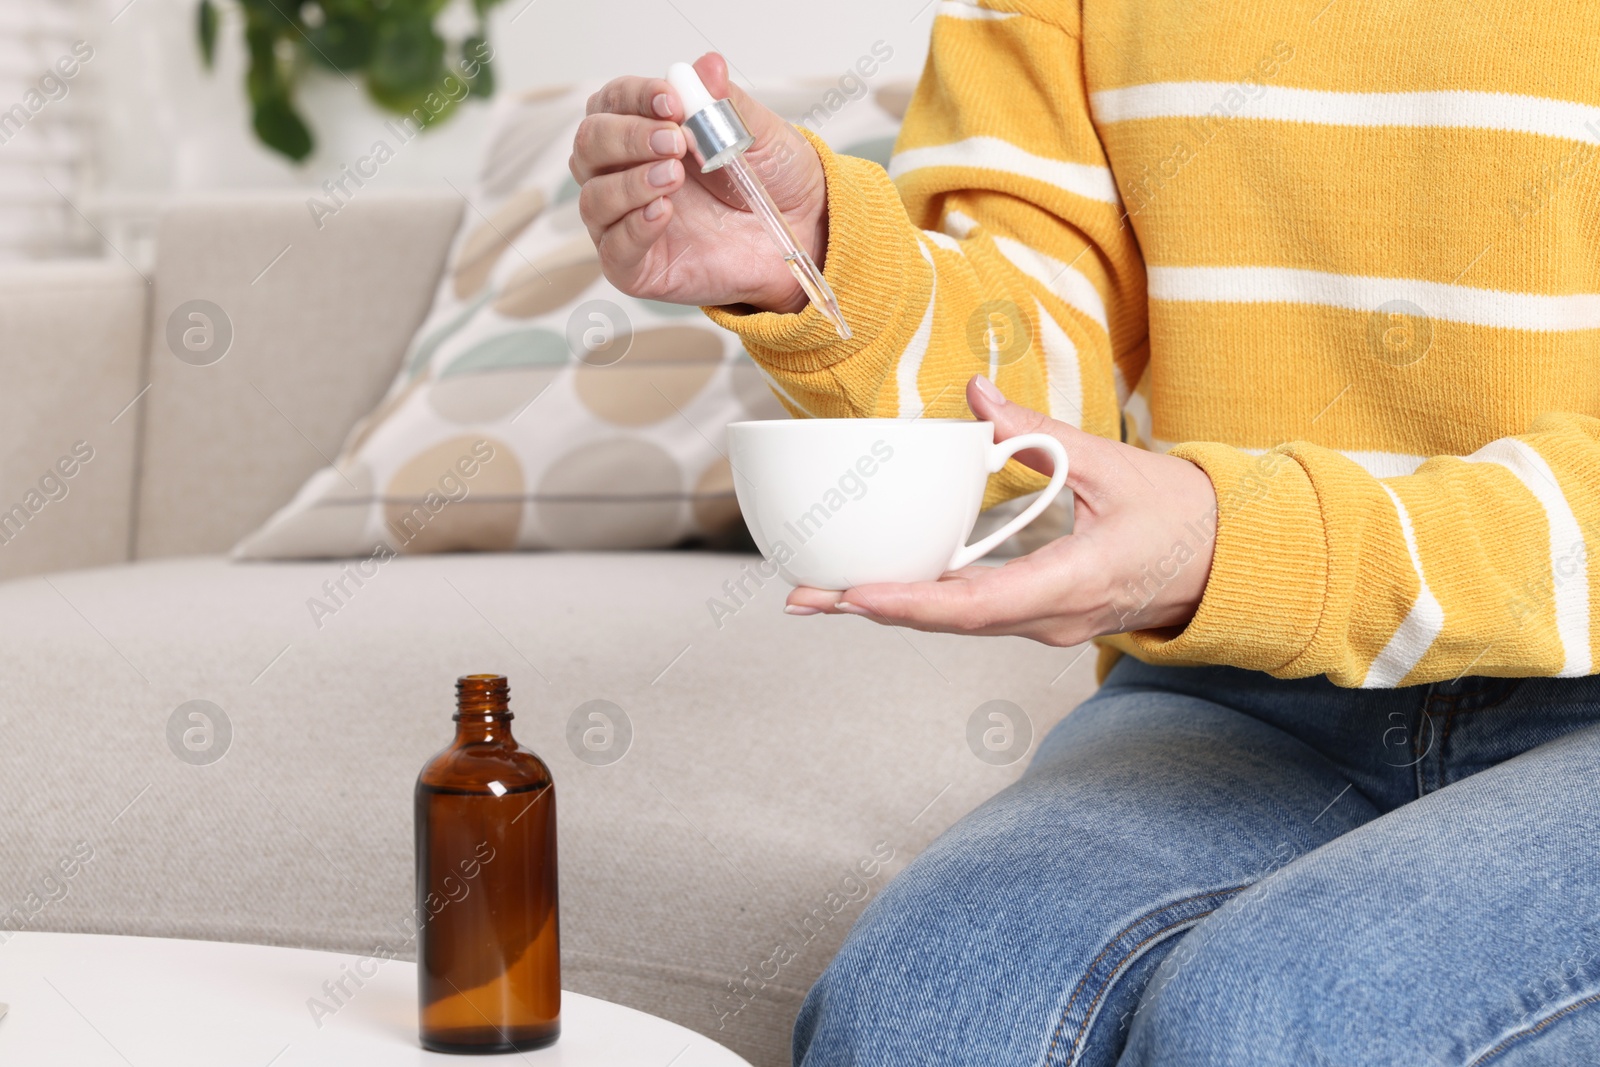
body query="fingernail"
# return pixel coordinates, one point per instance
(989, 390)
(654, 208)
(800, 609)
(662, 104)
(666, 143)
(850, 608)
(663, 173)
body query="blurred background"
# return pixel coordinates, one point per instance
(88, 159)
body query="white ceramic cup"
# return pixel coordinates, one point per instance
(837, 503)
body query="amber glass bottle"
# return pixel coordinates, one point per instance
(488, 947)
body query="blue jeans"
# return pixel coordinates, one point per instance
(1209, 867)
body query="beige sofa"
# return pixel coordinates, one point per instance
(772, 756)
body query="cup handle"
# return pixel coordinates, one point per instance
(998, 455)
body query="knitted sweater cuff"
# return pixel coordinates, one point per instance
(1269, 569)
(869, 247)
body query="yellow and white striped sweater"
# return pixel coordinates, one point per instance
(1342, 254)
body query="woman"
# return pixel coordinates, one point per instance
(1335, 800)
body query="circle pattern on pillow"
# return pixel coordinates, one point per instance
(481, 251)
(641, 506)
(457, 496)
(533, 292)
(475, 399)
(715, 506)
(663, 371)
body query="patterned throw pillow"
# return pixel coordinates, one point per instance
(538, 407)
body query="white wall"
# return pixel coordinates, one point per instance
(168, 127)
(45, 131)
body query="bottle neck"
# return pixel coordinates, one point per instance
(483, 709)
(483, 730)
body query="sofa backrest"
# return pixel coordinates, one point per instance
(71, 342)
(320, 312)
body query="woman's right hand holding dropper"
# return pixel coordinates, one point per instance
(664, 230)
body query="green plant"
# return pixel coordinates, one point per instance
(405, 64)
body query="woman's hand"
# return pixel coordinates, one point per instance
(1138, 556)
(664, 230)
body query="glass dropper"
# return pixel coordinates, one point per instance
(722, 139)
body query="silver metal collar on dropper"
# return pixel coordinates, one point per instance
(719, 134)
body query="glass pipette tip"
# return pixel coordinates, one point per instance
(801, 265)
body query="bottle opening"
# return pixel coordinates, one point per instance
(483, 694)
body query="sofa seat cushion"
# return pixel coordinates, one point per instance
(780, 769)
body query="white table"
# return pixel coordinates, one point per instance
(92, 999)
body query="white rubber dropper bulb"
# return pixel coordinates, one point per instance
(690, 89)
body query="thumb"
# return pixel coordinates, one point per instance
(762, 121)
(1087, 453)
(713, 71)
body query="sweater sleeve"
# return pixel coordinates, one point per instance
(1472, 564)
(995, 244)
